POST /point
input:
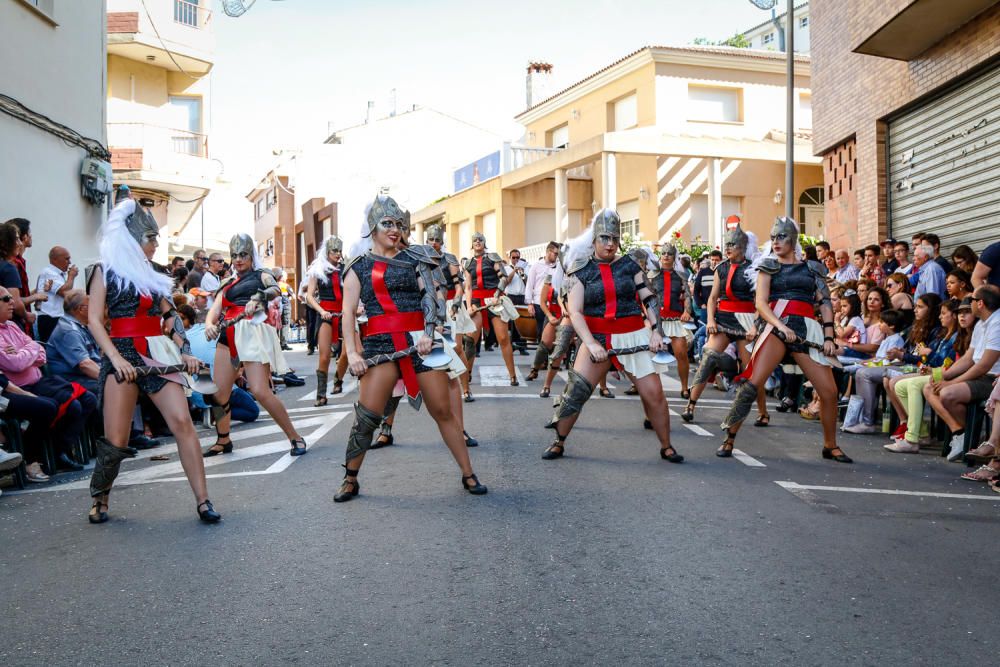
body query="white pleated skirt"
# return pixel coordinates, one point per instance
(676, 329)
(639, 364)
(259, 342)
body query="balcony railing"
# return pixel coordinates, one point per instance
(156, 139)
(517, 156)
(191, 14)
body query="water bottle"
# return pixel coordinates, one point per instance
(886, 418)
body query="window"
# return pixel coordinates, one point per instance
(185, 124)
(186, 12)
(558, 137)
(628, 213)
(270, 248)
(804, 22)
(624, 113)
(272, 198)
(715, 105)
(259, 209)
(767, 39)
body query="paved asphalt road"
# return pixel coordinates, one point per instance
(608, 555)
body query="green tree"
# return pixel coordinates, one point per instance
(737, 41)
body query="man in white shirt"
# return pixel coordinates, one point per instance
(970, 379)
(210, 281)
(55, 280)
(536, 278)
(515, 291)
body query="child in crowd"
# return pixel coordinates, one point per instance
(869, 378)
(850, 328)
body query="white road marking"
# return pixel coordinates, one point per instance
(697, 430)
(746, 459)
(793, 487)
(350, 384)
(669, 383)
(496, 376)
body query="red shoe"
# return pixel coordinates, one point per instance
(900, 432)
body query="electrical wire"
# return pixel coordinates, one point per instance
(68, 135)
(163, 44)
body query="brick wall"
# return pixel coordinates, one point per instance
(853, 93)
(123, 22)
(126, 158)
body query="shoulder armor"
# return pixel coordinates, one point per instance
(639, 256)
(770, 265)
(424, 254)
(494, 257)
(578, 264)
(451, 259)
(349, 263)
(470, 264)
(226, 283)
(816, 267)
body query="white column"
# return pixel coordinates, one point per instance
(562, 206)
(609, 179)
(714, 203)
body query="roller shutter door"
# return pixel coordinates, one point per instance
(944, 166)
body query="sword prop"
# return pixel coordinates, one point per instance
(206, 387)
(437, 359)
(833, 361)
(662, 357)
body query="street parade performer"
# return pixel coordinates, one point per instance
(486, 278)
(788, 290)
(325, 281)
(671, 281)
(404, 304)
(138, 303)
(731, 321)
(243, 341)
(605, 308)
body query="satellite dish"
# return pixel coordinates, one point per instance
(237, 8)
(760, 4)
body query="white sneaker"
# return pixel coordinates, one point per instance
(903, 447)
(957, 445)
(34, 473)
(9, 460)
(863, 429)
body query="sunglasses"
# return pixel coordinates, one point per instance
(779, 237)
(6, 299)
(220, 261)
(241, 255)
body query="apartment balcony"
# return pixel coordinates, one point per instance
(517, 156)
(172, 34)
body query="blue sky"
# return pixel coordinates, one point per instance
(286, 70)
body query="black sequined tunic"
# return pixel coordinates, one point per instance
(490, 280)
(795, 282)
(122, 304)
(623, 272)
(673, 303)
(741, 289)
(331, 298)
(401, 282)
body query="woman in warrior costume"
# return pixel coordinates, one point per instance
(458, 317)
(788, 290)
(484, 285)
(403, 309)
(671, 282)
(325, 281)
(138, 303)
(256, 346)
(731, 320)
(605, 308)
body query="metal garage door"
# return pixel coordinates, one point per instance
(944, 166)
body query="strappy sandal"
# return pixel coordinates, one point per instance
(348, 488)
(208, 515)
(688, 414)
(632, 391)
(98, 515)
(475, 488)
(320, 402)
(533, 375)
(298, 447)
(469, 440)
(385, 438)
(763, 420)
(726, 450)
(467, 396)
(338, 387)
(556, 449)
(514, 382)
(673, 457)
(545, 392)
(219, 447)
(686, 394)
(607, 393)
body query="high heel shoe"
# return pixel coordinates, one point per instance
(348, 488)
(688, 414)
(476, 489)
(828, 453)
(514, 382)
(98, 515)
(469, 440)
(726, 450)
(674, 457)
(227, 447)
(298, 447)
(208, 515)
(545, 392)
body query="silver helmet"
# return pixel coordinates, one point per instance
(385, 208)
(669, 249)
(737, 239)
(141, 225)
(479, 236)
(241, 243)
(333, 243)
(785, 227)
(434, 233)
(607, 223)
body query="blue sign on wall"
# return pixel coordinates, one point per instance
(480, 170)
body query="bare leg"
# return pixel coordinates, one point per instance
(717, 342)
(435, 388)
(119, 403)
(655, 404)
(593, 372)
(172, 405)
(503, 340)
(258, 378)
(223, 375)
(825, 387)
(375, 389)
(460, 351)
(679, 346)
(471, 340)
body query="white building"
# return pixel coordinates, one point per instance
(770, 34)
(52, 64)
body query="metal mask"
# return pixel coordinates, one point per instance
(435, 233)
(785, 228)
(333, 244)
(385, 208)
(239, 244)
(607, 223)
(736, 238)
(479, 236)
(141, 225)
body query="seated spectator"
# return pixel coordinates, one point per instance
(21, 363)
(901, 254)
(862, 287)
(898, 288)
(858, 260)
(935, 242)
(872, 268)
(54, 281)
(830, 262)
(888, 258)
(10, 277)
(848, 325)
(988, 453)
(958, 284)
(38, 412)
(905, 392)
(876, 299)
(930, 276)
(845, 270)
(964, 258)
(869, 379)
(72, 351)
(242, 405)
(987, 269)
(971, 377)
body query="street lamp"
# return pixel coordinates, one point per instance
(789, 101)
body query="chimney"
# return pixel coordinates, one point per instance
(370, 116)
(538, 83)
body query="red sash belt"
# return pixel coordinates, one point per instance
(232, 311)
(137, 328)
(451, 294)
(333, 307)
(391, 323)
(800, 308)
(555, 310)
(781, 309)
(737, 306)
(621, 325)
(668, 314)
(483, 294)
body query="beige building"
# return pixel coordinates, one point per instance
(674, 138)
(53, 77)
(159, 58)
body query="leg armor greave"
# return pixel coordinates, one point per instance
(321, 381)
(106, 465)
(360, 440)
(391, 405)
(712, 362)
(541, 357)
(564, 337)
(576, 393)
(469, 346)
(746, 396)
